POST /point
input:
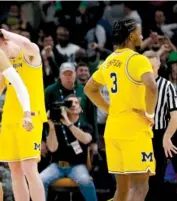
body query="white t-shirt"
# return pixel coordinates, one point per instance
(68, 51)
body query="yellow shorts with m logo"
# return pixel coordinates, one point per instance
(17, 144)
(130, 156)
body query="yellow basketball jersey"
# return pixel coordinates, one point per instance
(33, 79)
(121, 73)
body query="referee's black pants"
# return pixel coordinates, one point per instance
(156, 183)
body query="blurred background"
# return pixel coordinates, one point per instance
(79, 32)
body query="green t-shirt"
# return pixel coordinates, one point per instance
(56, 92)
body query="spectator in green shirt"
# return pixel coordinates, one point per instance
(66, 85)
(82, 72)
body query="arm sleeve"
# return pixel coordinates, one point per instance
(172, 98)
(98, 75)
(22, 93)
(137, 66)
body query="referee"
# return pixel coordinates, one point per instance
(165, 125)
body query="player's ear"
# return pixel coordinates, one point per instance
(132, 37)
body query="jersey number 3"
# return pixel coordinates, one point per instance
(114, 79)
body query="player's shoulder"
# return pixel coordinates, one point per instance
(110, 60)
(32, 60)
(140, 60)
(32, 63)
(139, 57)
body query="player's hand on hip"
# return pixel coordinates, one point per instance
(143, 114)
(27, 122)
(168, 146)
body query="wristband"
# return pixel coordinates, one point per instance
(151, 116)
(69, 126)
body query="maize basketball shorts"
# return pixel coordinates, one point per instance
(130, 156)
(17, 144)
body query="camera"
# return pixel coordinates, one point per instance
(56, 110)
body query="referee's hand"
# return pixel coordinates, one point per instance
(168, 146)
(142, 113)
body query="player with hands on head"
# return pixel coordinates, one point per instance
(22, 76)
(12, 76)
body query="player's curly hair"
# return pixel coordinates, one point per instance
(121, 31)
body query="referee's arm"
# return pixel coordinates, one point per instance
(172, 106)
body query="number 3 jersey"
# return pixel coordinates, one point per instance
(33, 80)
(121, 73)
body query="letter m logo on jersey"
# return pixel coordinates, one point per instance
(147, 156)
(37, 146)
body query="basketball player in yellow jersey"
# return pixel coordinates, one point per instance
(131, 85)
(18, 147)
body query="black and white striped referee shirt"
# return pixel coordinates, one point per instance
(167, 102)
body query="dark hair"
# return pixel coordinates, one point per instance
(121, 31)
(81, 64)
(66, 27)
(46, 36)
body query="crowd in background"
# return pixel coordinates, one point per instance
(77, 35)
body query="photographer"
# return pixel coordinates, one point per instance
(66, 85)
(69, 141)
